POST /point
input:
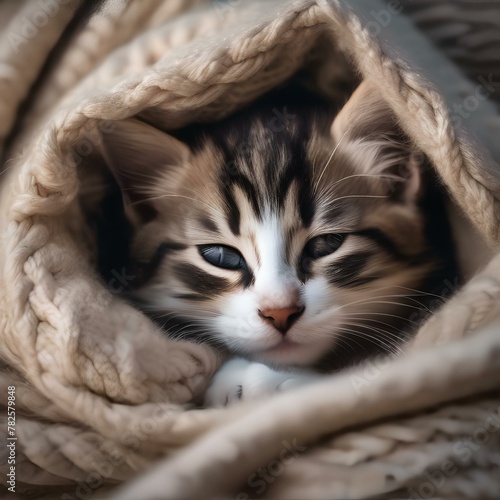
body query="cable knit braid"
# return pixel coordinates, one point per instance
(93, 371)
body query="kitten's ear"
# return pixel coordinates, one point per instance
(367, 129)
(140, 156)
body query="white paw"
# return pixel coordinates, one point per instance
(237, 379)
(240, 379)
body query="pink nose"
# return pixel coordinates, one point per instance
(282, 319)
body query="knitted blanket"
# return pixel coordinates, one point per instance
(96, 401)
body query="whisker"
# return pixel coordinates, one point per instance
(365, 313)
(159, 197)
(334, 200)
(420, 292)
(399, 304)
(330, 189)
(373, 300)
(390, 347)
(336, 147)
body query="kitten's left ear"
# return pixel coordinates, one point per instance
(140, 156)
(367, 130)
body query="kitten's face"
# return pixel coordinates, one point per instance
(277, 241)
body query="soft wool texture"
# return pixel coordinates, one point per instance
(102, 395)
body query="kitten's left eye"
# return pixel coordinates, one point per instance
(222, 256)
(323, 245)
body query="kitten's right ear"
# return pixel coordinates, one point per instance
(139, 156)
(365, 114)
(368, 124)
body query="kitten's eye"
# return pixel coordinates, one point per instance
(323, 245)
(222, 256)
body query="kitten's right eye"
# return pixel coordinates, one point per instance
(222, 256)
(323, 245)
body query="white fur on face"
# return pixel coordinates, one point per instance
(276, 286)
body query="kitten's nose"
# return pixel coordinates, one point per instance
(282, 319)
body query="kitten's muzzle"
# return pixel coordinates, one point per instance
(282, 319)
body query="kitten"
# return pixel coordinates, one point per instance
(287, 234)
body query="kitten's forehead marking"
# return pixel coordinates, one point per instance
(264, 172)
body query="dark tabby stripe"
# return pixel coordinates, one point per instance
(382, 240)
(279, 130)
(244, 183)
(297, 170)
(201, 282)
(189, 296)
(209, 224)
(345, 271)
(233, 215)
(247, 278)
(166, 248)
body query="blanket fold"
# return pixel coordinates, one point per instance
(101, 393)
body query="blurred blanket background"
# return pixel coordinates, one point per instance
(103, 402)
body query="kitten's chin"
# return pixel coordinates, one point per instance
(288, 353)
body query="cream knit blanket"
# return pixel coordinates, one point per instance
(101, 395)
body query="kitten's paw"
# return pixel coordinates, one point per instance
(226, 386)
(239, 379)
